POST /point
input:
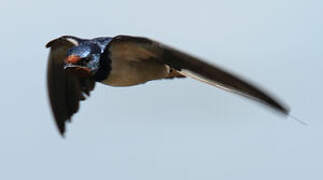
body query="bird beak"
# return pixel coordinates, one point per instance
(72, 65)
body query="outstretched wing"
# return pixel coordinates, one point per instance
(65, 89)
(195, 68)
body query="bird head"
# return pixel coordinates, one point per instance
(84, 59)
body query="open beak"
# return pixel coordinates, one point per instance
(72, 64)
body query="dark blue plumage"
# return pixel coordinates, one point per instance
(93, 54)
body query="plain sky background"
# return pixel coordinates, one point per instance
(167, 130)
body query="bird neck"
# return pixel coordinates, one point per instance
(104, 67)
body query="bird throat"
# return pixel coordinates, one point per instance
(78, 70)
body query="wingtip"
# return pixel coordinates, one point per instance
(63, 135)
(280, 107)
(53, 42)
(286, 111)
(62, 132)
(61, 129)
(71, 39)
(50, 43)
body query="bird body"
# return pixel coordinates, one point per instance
(75, 65)
(128, 72)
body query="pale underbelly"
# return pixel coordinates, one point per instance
(128, 74)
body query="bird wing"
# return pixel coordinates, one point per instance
(192, 67)
(65, 89)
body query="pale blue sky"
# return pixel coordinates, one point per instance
(174, 130)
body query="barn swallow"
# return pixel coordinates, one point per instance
(75, 65)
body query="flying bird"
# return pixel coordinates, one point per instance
(75, 65)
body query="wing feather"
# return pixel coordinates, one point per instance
(198, 69)
(65, 89)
